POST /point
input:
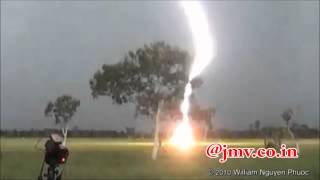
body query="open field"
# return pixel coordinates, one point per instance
(102, 158)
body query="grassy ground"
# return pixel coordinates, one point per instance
(101, 158)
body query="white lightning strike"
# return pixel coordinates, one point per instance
(204, 53)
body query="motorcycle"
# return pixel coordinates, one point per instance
(55, 157)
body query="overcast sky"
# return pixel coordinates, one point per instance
(268, 58)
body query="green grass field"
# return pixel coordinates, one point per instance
(101, 158)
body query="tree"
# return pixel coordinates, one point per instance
(257, 125)
(272, 137)
(209, 114)
(204, 116)
(130, 131)
(287, 116)
(145, 77)
(62, 110)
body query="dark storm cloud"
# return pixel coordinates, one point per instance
(267, 57)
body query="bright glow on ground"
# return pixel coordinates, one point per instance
(182, 136)
(204, 52)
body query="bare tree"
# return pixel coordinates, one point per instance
(287, 116)
(257, 125)
(62, 110)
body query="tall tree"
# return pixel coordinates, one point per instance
(62, 110)
(203, 116)
(287, 116)
(257, 125)
(145, 77)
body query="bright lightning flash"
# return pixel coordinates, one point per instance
(182, 137)
(204, 53)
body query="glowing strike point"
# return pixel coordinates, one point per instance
(183, 137)
(204, 53)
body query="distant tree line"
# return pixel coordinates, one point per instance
(300, 130)
(71, 133)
